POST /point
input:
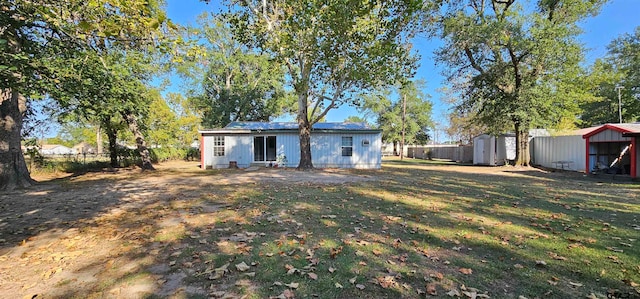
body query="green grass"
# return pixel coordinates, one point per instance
(522, 233)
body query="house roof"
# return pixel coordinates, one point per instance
(251, 126)
(623, 128)
(52, 146)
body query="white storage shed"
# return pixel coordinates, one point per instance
(491, 150)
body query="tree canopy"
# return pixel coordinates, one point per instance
(330, 50)
(33, 33)
(514, 63)
(229, 81)
(616, 72)
(388, 113)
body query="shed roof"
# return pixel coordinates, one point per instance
(623, 128)
(253, 126)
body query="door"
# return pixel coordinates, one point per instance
(264, 148)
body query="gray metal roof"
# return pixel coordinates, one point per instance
(282, 126)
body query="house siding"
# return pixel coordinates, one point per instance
(326, 150)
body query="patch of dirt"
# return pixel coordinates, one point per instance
(102, 234)
(113, 233)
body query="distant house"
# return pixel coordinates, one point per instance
(333, 145)
(56, 149)
(84, 148)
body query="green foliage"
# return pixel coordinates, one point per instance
(229, 81)
(388, 113)
(330, 50)
(161, 154)
(618, 68)
(513, 64)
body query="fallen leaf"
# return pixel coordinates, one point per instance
(218, 294)
(338, 286)
(575, 284)
(359, 253)
(353, 280)
(431, 289)
(335, 251)
(360, 286)
(243, 283)
(387, 281)
(219, 272)
(313, 276)
(287, 294)
(466, 271)
(453, 293)
(293, 285)
(332, 269)
(242, 267)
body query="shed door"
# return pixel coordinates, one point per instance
(479, 152)
(264, 148)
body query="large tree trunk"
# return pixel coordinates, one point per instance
(304, 128)
(141, 144)
(522, 145)
(113, 145)
(13, 168)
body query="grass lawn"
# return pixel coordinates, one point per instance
(420, 228)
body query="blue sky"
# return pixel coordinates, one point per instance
(616, 18)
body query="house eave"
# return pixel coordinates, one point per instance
(228, 131)
(223, 131)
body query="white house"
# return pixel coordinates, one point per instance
(56, 149)
(333, 145)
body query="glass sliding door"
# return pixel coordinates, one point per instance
(264, 148)
(258, 148)
(271, 148)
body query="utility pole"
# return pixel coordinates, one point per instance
(404, 113)
(619, 88)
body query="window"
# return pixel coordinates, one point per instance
(218, 146)
(347, 146)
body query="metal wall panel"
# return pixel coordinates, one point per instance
(548, 151)
(608, 135)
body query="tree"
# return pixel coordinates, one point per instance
(187, 119)
(330, 50)
(389, 114)
(106, 89)
(31, 32)
(356, 119)
(515, 64)
(618, 69)
(235, 83)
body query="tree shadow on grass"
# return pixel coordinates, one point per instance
(168, 237)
